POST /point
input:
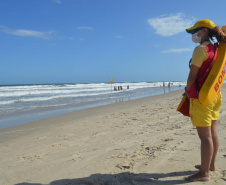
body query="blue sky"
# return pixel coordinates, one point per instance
(85, 41)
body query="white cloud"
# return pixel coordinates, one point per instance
(27, 33)
(180, 50)
(118, 36)
(170, 25)
(85, 28)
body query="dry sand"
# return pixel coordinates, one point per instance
(138, 142)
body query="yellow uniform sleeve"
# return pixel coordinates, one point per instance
(199, 56)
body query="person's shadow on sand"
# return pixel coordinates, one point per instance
(125, 178)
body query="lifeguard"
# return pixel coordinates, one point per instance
(201, 79)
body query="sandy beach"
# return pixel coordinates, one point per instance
(138, 142)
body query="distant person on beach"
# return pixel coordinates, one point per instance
(204, 118)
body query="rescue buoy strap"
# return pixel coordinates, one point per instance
(207, 69)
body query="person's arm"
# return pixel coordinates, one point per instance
(199, 55)
(194, 70)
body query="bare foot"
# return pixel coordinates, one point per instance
(197, 177)
(199, 167)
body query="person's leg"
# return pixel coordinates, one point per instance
(206, 154)
(215, 144)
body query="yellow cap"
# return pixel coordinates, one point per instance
(200, 24)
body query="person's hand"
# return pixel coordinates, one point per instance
(187, 92)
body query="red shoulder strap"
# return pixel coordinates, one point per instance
(211, 63)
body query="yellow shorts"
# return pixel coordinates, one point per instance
(202, 116)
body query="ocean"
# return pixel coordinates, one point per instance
(20, 104)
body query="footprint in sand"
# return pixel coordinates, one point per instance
(125, 165)
(31, 157)
(168, 139)
(76, 157)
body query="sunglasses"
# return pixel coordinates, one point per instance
(197, 29)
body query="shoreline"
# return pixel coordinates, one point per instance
(89, 112)
(19, 118)
(143, 141)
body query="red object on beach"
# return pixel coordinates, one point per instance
(111, 80)
(184, 105)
